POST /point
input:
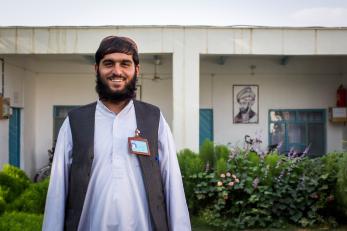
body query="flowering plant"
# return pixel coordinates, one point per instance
(248, 190)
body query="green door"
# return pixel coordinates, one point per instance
(14, 138)
(206, 125)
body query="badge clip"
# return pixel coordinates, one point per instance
(138, 145)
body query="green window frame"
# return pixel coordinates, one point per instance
(60, 112)
(297, 129)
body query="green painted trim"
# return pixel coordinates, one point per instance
(56, 110)
(302, 122)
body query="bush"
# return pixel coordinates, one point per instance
(18, 221)
(207, 154)
(246, 190)
(16, 173)
(2, 205)
(221, 152)
(13, 181)
(10, 187)
(33, 199)
(341, 187)
(190, 164)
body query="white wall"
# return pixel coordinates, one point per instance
(20, 87)
(158, 92)
(3, 142)
(305, 82)
(53, 89)
(28, 157)
(14, 90)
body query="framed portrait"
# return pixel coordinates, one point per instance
(245, 104)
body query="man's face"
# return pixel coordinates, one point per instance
(116, 70)
(116, 76)
(244, 106)
(246, 103)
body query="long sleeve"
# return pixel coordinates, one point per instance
(177, 210)
(57, 190)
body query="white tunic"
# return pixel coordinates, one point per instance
(116, 197)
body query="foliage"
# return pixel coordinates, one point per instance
(19, 221)
(18, 194)
(207, 154)
(221, 152)
(244, 189)
(16, 173)
(10, 187)
(341, 187)
(33, 199)
(13, 181)
(190, 164)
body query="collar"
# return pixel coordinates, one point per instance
(103, 109)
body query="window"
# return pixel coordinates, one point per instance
(297, 129)
(59, 115)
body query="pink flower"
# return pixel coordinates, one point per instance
(237, 180)
(233, 176)
(255, 182)
(231, 183)
(228, 174)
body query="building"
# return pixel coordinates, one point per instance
(193, 73)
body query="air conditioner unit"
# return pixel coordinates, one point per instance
(338, 114)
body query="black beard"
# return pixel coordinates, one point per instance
(105, 93)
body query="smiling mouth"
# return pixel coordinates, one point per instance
(116, 79)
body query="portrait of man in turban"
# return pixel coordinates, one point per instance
(245, 103)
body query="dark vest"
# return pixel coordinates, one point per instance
(82, 123)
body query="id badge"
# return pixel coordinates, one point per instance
(138, 145)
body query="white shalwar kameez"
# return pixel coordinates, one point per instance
(116, 197)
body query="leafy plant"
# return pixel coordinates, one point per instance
(19, 221)
(207, 154)
(221, 152)
(16, 173)
(33, 199)
(341, 187)
(10, 187)
(249, 190)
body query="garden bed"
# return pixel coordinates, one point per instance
(238, 189)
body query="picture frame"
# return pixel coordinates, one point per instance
(245, 104)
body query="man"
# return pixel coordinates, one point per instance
(246, 99)
(100, 180)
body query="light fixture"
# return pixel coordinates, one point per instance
(157, 62)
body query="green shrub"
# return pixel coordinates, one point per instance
(32, 200)
(341, 187)
(13, 181)
(190, 162)
(2, 205)
(18, 221)
(207, 153)
(221, 151)
(221, 166)
(257, 192)
(10, 187)
(16, 173)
